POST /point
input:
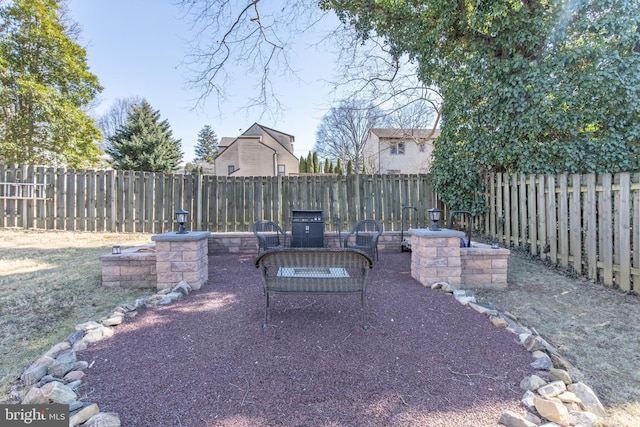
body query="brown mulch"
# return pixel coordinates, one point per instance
(206, 360)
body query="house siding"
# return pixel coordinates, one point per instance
(380, 160)
(256, 159)
(411, 162)
(258, 152)
(228, 157)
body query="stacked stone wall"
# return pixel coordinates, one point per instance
(133, 268)
(484, 267)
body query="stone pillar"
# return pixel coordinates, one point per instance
(435, 256)
(182, 257)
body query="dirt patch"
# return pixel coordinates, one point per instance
(595, 327)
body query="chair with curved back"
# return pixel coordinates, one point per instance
(270, 235)
(364, 236)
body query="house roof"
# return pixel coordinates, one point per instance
(406, 133)
(276, 135)
(226, 142)
(271, 130)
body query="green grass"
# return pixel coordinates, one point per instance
(50, 282)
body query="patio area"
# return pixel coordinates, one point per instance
(206, 360)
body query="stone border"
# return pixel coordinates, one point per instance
(551, 397)
(56, 375)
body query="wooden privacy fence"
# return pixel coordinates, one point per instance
(586, 223)
(127, 201)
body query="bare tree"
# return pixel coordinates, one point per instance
(258, 35)
(371, 70)
(343, 131)
(116, 116)
(254, 36)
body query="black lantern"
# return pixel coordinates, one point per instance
(434, 215)
(116, 250)
(181, 218)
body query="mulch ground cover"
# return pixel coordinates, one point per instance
(207, 361)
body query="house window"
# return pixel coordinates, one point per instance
(231, 169)
(397, 148)
(281, 170)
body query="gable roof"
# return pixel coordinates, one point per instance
(271, 131)
(277, 136)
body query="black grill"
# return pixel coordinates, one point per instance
(307, 229)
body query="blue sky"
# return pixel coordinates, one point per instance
(138, 48)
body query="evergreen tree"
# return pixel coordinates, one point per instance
(338, 168)
(327, 166)
(316, 163)
(45, 87)
(145, 143)
(364, 169)
(309, 163)
(207, 147)
(349, 167)
(302, 167)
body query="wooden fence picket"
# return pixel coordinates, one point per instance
(552, 219)
(575, 225)
(635, 240)
(623, 232)
(591, 227)
(606, 229)
(541, 216)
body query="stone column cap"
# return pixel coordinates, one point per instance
(173, 236)
(443, 232)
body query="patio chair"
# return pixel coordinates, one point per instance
(464, 223)
(270, 235)
(364, 236)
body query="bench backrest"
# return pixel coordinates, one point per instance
(315, 257)
(323, 270)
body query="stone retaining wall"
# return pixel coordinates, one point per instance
(133, 268)
(246, 242)
(484, 267)
(437, 257)
(164, 263)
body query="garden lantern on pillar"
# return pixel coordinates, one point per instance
(434, 215)
(181, 218)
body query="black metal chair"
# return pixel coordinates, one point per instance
(270, 235)
(464, 223)
(364, 236)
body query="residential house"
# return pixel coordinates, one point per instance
(391, 151)
(259, 151)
